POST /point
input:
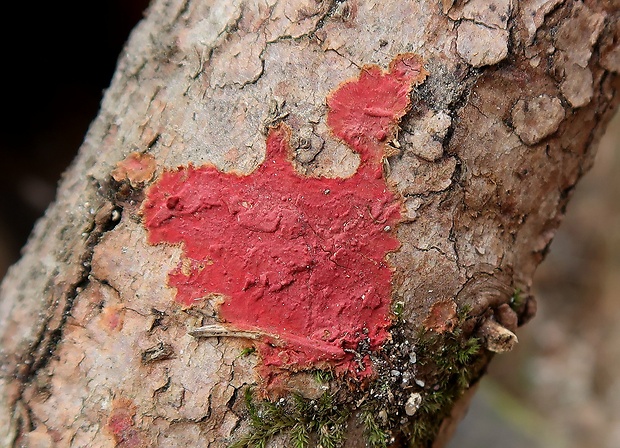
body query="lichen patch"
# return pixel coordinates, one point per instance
(442, 316)
(491, 13)
(479, 45)
(577, 35)
(533, 14)
(425, 138)
(413, 175)
(121, 424)
(577, 86)
(536, 118)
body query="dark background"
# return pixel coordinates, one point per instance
(58, 58)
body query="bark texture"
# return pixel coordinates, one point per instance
(94, 349)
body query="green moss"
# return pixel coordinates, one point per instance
(376, 436)
(323, 376)
(398, 308)
(247, 352)
(299, 417)
(517, 300)
(449, 359)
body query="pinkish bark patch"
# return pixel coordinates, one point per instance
(137, 168)
(442, 316)
(121, 424)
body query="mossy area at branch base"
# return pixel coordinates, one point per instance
(443, 367)
(450, 362)
(421, 380)
(300, 417)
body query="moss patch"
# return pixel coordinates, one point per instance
(420, 378)
(376, 435)
(300, 417)
(449, 362)
(517, 300)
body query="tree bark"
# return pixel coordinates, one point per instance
(97, 349)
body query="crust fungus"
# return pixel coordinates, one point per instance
(291, 260)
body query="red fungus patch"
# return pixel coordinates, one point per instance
(301, 259)
(365, 113)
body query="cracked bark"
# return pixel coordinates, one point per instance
(94, 350)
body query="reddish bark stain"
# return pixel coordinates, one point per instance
(112, 318)
(121, 424)
(137, 168)
(442, 316)
(299, 259)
